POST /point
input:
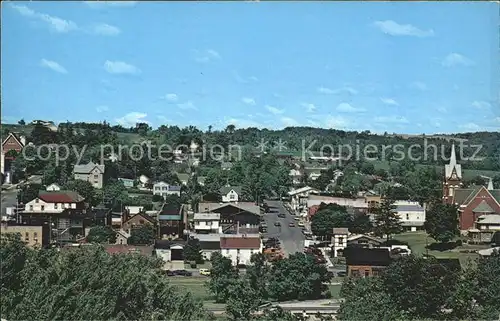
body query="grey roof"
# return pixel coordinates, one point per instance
(174, 188)
(409, 208)
(206, 216)
(340, 230)
(217, 237)
(87, 168)
(489, 219)
(226, 189)
(245, 206)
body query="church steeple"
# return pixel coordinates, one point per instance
(452, 177)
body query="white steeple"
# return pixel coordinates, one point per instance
(453, 170)
(490, 184)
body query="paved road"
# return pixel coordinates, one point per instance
(292, 239)
(9, 198)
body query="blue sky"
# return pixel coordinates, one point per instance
(397, 67)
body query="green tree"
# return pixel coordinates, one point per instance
(387, 221)
(420, 287)
(89, 283)
(327, 217)
(21, 122)
(366, 299)
(85, 189)
(487, 289)
(361, 224)
(242, 301)
(193, 251)
(28, 192)
(144, 235)
(222, 276)
(257, 274)
(441, 222)
(298, 278)
(101, 234)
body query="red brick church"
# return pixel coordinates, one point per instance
(479, 206)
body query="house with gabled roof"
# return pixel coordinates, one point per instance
(230, 193)
(65, 211)
(241, 216)
(13, 142)
(91, 172)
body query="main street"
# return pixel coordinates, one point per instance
(292, 239)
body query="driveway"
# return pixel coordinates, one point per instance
(292, 239)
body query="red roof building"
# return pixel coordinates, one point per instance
(243, 243)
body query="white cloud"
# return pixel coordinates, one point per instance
(455, 59)
(347, 108)
(104, 29)
(389, 101)
(248, 101)
(206, 55)
(274, 110)
(481, 104)
(171, 97)
(102, 4)
(309, 107)
(120, 67)
(53, 65)
(329, 91)
(54, 23)
(393, 28)
(287, 121)
(244, 80)
(187, 105)
(130, 119)
(243, 123)
(101, 109)
(391, 119)
(337, 122)
(471, 127)
(419, 85)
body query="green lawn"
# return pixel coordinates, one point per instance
(418, 241)
(196, 285)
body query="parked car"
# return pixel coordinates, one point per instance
(277, 224)
(296, 218)
(205, 272)
(169, 273)
(282, 215)
(291, 224)
(183, 273)
(341, 274)
(301, 224)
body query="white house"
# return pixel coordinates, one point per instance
(54, 202)
(143, 181)
(411, 214)
(163, 189)
(53, 187)
(207, 223)
(299, 196)
(230, 193)
(240, 249)
(488, 222)
(122, 237)
(339, 240)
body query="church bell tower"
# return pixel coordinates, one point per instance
(452, 178)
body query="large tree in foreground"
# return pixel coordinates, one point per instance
(327, 217)
(87, 284)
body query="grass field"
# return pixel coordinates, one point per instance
(419, 240)
(196, 286)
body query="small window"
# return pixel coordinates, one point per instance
(56, 206)
(27, 236)
(96, 176)
(31, 207)
(141, 221)
(341, 240)
(36, 200)
(42, 207)
(238, 251)
(407, 217)
(367, 273)
(35, 234)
